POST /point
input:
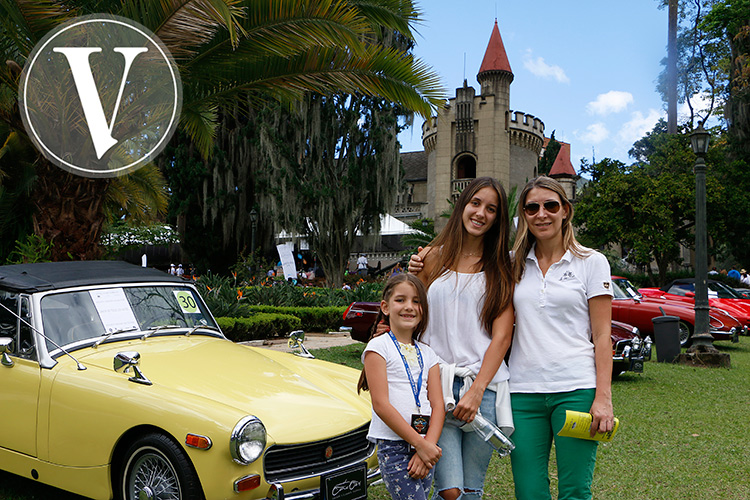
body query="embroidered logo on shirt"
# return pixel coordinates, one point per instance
(567, 276)
(606, 285)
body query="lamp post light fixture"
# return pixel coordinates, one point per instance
(702, 341)
(253, 226)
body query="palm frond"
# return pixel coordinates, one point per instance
(397, 15)
(27, 21)
(139, 197)
(186, 25)
(383, 72)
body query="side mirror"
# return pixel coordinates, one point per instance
(296, 339)
(689, 294)
(124, 361)
(5, 349)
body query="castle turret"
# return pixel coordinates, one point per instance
(563, 171)
(495, 75)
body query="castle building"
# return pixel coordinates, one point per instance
(473, 135)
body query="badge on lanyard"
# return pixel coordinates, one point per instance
(419, 422)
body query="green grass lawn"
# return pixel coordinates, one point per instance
(684, 434)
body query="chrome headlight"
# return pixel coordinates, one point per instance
(248, 440)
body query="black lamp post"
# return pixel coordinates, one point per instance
(702, 341)
(254, 226)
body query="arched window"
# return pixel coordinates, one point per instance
(466, 167)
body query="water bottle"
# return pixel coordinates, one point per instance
(492, 435)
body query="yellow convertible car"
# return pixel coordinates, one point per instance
(117, 383)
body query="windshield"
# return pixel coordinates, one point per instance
(75, 316)
(624, 289)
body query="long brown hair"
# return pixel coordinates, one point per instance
(390, 285)
(525, 240)
(495, 255)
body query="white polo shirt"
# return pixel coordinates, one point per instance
(552, 348)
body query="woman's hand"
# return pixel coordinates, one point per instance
(381, 329)
(603, 416)
(417, 468)
(468, 405)
(415, 262)
(428, 452)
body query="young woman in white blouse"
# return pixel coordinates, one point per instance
(467, 270)
(561, 357)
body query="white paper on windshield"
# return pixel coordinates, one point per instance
(114, 309)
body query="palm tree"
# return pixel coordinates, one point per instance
(229, 52)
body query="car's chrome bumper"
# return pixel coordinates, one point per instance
(276, 492)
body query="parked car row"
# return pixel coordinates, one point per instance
(629, 348)
(630, 306)
(117, 382)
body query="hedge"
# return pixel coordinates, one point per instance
(314, 319)
(260, 325)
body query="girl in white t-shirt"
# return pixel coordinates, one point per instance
(403, 377)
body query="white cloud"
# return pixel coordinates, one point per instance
(638, 126)
(539, 67)
(594, 134)
(613, 101)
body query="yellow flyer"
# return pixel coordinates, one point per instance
(578, 425)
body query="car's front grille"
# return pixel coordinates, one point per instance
(294, 461)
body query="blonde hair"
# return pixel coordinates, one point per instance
(525, 240)
(495, 261)
(390, 285)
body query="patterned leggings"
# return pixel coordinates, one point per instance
(394, 457)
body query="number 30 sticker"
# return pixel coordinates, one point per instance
(186, 301)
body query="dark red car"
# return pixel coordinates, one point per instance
(629, 350)
(638, 310)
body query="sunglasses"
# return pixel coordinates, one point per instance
(550, 206)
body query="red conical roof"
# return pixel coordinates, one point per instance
(562, 165)
(495, 58)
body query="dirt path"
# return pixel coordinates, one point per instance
(312, 341)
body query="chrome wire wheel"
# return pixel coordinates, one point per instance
(155, 467)
(152, 477)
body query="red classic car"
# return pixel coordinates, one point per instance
(719, 295)
(636, 309)
(629, 350)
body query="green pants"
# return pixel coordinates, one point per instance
(538, 418)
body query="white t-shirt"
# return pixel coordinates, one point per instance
(552, 348)
(362, 262)
(399, 388)
(455, 329)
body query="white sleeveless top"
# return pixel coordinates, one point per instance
(454, 330)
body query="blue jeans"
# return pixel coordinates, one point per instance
(393, 457)
(466, 456)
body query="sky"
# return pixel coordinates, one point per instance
(587, 68)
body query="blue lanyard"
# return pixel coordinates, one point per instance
(415, 388)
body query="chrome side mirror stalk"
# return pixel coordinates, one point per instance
(126, 360)
(296, 339)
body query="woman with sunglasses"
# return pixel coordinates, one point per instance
(562, 353)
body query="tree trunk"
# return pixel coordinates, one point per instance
(672, 68)
(69, 212)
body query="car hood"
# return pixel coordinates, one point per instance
(281, 389)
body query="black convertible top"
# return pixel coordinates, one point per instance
(43, 276)
(681, 281)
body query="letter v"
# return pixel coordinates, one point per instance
(93, 109)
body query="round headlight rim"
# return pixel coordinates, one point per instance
(235, 442)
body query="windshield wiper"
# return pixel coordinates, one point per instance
(156, 329)
(106, 336)
(207, 327)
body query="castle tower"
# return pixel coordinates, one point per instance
(478, 135)
(563, 171)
